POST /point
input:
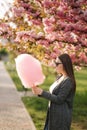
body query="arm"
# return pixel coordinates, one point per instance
(63, 93)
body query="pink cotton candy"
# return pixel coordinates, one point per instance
(29, 70)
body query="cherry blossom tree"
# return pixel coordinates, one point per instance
(48, 28)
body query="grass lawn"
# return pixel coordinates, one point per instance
(10, 66)
(37, 107)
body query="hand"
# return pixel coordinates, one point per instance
(36, 90)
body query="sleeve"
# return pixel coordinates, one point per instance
(62, 95)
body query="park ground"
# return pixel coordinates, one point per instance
(37, 107)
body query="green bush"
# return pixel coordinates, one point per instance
(3, 51)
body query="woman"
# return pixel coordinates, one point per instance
(62, 91)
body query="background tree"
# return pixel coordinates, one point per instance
(47, 28)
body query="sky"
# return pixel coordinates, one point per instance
(4, 6)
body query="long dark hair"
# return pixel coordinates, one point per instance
(68, 67)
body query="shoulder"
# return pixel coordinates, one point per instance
(67, 82)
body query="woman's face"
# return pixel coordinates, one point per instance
(59, 66)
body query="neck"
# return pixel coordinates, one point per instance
(64, 74)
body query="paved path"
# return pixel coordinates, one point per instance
(13, 115)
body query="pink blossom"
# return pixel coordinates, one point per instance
(36, 22)
(52, 36)
(48, 21)
(43, 42)
(53, 55)
(18, 11)
(58, 25)
(47, 4)
(40, 35)
(77, 68)
(83, 57)
(48, 29)
(73, 57)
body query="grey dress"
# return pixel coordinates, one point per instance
(59, 114)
